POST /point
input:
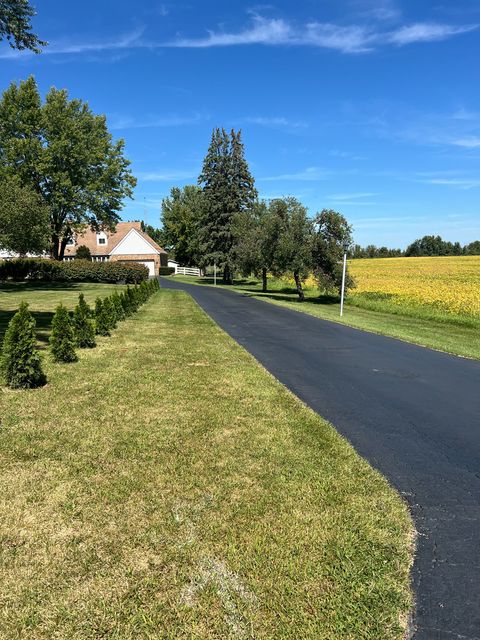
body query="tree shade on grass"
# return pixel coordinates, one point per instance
(62, 340)
(20, 362)
(83, 325)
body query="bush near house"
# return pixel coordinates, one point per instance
(167, 271)
(74, 271)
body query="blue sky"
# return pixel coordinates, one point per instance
(369, 107)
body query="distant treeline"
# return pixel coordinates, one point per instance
(426, 246)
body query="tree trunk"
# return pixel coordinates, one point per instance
(264, 279)
(227, 275)
(55, 247)
(63, 245)
(298, 284)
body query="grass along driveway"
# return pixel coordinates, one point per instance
(43, 298)
(435, 331)
(166, 486)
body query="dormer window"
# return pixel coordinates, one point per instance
(71, 242)
(101, 238)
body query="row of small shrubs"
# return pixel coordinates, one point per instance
(20, 360)
(47, 270)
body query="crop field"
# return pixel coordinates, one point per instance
(447, 287)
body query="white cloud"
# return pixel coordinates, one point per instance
(309, 174)
(352, 39)
(344, 197)
(355, 38)
(461, 183)
(167, 176)
(128, 122)
(427, 32)
(276, 122)
(468, 143)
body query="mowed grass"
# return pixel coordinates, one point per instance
(43, 298)
(166, 486)
(377, 313)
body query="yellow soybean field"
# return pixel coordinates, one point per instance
(450, 285)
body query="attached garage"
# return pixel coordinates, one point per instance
(150, 264)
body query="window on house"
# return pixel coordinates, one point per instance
(101, 238)
(71, 242)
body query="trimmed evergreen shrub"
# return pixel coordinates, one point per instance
(110, 312)
(102, 326)
(124, 299)
(83, 326)
(62, 339)
(20, 361)
(117, 303)
(167, 271)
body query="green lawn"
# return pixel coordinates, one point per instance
(457, 336)
(166, 486)
(43, 298)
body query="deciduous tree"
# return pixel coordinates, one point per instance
(63, 151)
(16, 25)
(182, 213)
(24, 221)
(331, 231)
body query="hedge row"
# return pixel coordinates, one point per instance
(72, 271)
(20, 360)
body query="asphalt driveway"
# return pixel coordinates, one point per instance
(412, 412)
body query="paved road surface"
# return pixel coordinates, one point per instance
(412, 412)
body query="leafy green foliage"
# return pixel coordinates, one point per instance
(16, 27)
(166, 271)
(293, 250)
(24, 226)
(228, 189)
(72, 271)
(83, 325)
(182, 213)
(62, 339)
(433, 246)
(20, 361)
(331, 232)
(64, 152)
(83, 253)
(102, 321)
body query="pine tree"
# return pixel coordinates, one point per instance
(102, 327)
(84, 329)
(20, 361)
(228, 189)
(124, 299)
(110, 313)
(62, 339)
(117, 303)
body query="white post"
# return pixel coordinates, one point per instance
(343, 282)
(215, 273)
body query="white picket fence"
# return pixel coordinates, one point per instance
(187, 271)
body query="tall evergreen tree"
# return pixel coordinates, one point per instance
(229, 189)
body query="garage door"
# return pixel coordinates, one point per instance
(150, 264)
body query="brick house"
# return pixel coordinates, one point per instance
(128, 243)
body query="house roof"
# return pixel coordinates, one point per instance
(89, 239)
